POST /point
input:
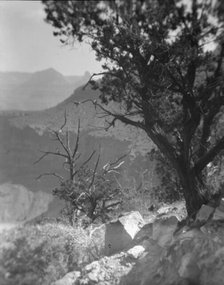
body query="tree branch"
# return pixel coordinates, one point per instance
(209, 156)
(119, 117)
(48, 153)
(50, 174)
(98, 74)
(94, 172)
(77, 141)
(84, 163)
(62, 143)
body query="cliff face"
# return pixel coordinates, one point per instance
(18, 204)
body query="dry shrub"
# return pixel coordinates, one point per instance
(41, 254)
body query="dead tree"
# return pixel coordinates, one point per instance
(68, 151)
(92, 192)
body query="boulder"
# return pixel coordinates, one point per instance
(111, 270)
(163, 229)
(145, 233)
(218, 215)
(219, 212)
(136, 251)
(120, 233)
(204, 214)
(192, 258)
(106, 271)
(132, 222)
(117, 235)
(69, 279)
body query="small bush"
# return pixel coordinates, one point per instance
(41, 254)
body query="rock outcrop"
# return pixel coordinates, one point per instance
(18, 204)
(117, 235)
(120, 233)
(191, 256)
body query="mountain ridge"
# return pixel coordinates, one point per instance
(38, 90)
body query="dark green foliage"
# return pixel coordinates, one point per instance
(170, 189)
(157, 66)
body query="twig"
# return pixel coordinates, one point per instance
(94, 172)
(77, 141)
(49, 153)
(50, 174)
(98, 74)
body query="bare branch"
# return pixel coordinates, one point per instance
(113, 166)
(119, 158)
(88, 159)
(77, 157)
(77, 141)
(116, 116)
(62, 143)
(84, 163)
(49, 153)
(50, 174)
(94, 172)
(65, 121)
(98, 74)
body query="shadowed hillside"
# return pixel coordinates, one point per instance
(25, 134)
(91, 121)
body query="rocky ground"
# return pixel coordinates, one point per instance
(158, 252)
(159, 248)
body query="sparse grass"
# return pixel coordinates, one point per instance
(41, 254)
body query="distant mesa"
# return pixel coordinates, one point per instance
(37, 91)
(46, 78)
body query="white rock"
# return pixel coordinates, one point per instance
(120, 233)
(68, 279)
(136, 251)
(132, 222)
(163, 230)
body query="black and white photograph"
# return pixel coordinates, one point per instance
(112, 142)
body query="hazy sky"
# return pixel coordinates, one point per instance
(27, 42)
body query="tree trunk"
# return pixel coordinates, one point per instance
(91, 209)
(191, 190)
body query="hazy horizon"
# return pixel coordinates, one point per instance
(45, 69)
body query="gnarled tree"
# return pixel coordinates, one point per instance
(157, 65)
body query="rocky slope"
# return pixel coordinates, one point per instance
(193, 256)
